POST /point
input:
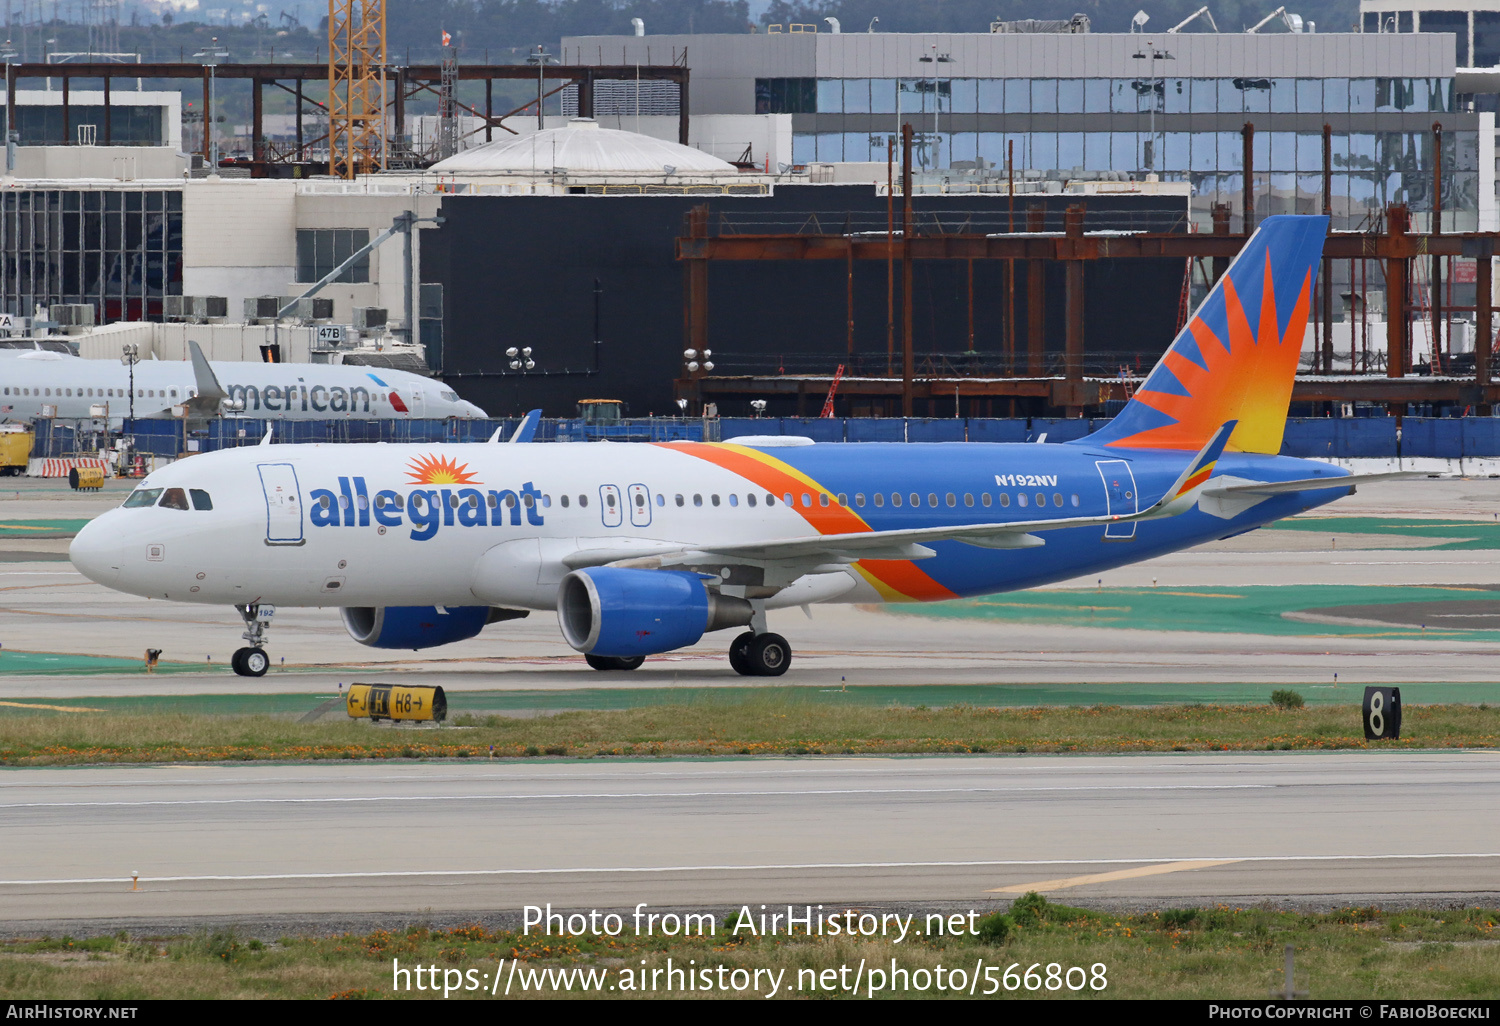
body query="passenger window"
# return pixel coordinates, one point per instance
(661, 500)
(396, 501)
(1021, 499)
(859, 498)
(916, 500)
(787, 498)
(968, 499)
(806, 501)
(697, 500)
(640, 501)
(564, 501)
(879, 499)
(985, 498)
(770, 499)
(173, 498)
(200, 499)
(362, 502)
(1057, 499)
(1075, 500)
(546, 502)
(474, 501)
(583, 500)
(679, 500)
(750, 498)
(714, 499)
(895, 498)
(932, 498)
(734, 500)
(609, 499)
(951, 500)
(142, 497)
(822, 499)
(343, 502)
(491, 501)
(1041, 500)
(843, 499)
(1004, 499)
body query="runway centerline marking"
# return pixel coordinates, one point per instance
(785, 867)
(640, 794)
(1117, 874)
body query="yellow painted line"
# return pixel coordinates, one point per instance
(28, 527)
(1118, 874)
(53, 708)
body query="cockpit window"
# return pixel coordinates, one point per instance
(142, 497)
(174, 498)
(200, 499)
(452, 397)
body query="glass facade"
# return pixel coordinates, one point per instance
(129, 125)
(119, 251)
(1184, 129)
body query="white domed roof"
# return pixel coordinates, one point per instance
(585, 148)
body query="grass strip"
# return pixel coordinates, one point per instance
(1255, 609)
(1220, 952)
(773, 725)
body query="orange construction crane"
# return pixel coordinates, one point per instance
(356, 87)
(828, 403)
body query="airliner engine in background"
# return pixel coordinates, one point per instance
(642, 549)
(33, 378)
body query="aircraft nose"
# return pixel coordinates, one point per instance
(96, 553)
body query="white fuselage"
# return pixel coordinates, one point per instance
(33, 379)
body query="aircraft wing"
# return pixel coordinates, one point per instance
(1305, 484)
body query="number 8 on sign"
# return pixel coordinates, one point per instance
(1382, 714)
(1377, 714)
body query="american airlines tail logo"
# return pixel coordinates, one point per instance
(425, 510)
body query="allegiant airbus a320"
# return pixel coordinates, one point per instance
(642, 549)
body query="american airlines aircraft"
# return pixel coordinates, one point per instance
(643, 548)
(33, 378)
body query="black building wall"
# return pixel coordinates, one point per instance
(520, 271)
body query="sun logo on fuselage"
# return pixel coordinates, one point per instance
(439, 470)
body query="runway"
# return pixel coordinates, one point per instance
(338, 840)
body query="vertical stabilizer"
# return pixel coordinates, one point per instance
(1237, 356)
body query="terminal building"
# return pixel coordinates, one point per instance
(564, 239)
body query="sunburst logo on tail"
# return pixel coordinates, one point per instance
(439, 470)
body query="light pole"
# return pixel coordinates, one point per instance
(129, 354)
(211, 55)
(935, 59)
(8, 54)
(1154, 55)
(540, 59)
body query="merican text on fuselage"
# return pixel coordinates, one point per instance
(425, 510)
(286, 398)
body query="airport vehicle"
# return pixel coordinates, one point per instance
(643, 548)
(36, 381)
(15, 448)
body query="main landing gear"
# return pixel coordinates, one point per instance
(599, 662)
(760, 655)
(252, 660)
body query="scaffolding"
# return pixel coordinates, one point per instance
(447, 113)
(356, 87)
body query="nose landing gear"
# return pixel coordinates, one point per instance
(252, 660)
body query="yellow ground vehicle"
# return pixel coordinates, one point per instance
(15, 448)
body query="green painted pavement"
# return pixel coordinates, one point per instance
(40, 528)
(930, 696)
(1252, 610)
(50, 664)
(1469, 534)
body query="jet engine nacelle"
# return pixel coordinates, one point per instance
(612, 611)
(417, 627)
